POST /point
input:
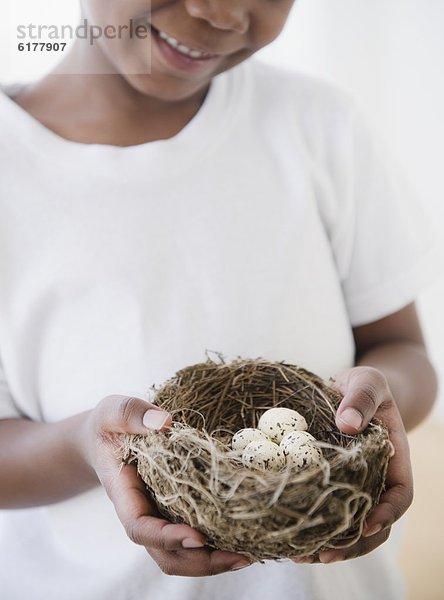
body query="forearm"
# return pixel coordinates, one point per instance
(42, 463)
(410, 375)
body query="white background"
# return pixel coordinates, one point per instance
(388, 53)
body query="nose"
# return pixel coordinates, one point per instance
(221, 14)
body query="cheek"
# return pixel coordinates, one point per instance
(125, 37)
(267, 29)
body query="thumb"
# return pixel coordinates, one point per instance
(128, 414)
(364, 389)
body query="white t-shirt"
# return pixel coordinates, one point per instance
(269, 226)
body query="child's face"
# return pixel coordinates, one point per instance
(189, 41)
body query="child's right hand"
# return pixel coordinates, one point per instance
(177, 548)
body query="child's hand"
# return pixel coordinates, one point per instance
(367, 395)
(177, 549)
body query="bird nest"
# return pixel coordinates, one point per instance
(195, 477)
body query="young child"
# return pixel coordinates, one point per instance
(212, 203)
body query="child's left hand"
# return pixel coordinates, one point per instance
(366, 394)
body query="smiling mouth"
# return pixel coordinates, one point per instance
(187, 51)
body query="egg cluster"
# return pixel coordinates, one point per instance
(281, 438)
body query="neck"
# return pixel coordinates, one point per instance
(103, 108)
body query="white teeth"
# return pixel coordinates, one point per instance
(172, 41)
(181, 47)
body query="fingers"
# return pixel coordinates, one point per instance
(202, 562)
(123, 414)
(177, 548)
(139, 515)
(363, 546)
(360, 548)
(364, 390)
(399, 480)
(366, 394)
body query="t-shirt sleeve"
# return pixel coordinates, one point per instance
(384, 242)
(8, 409)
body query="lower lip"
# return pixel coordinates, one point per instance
(180, 61)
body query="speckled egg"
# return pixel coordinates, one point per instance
(304, 455)
(242, 438)
(264, 456)
(295, 438)
(277, 422)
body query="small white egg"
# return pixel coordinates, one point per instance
(303, 456)
(295, 438)
(242, 438)
(264, 456)
(277, 422)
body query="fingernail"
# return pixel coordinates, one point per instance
(240, 565)
(329, 556)
(372, 531)
(192, 543)
(155, 419)
(352, 418)
(302, 560)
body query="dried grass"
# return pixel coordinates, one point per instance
(194, 476)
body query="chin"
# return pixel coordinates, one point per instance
(172, 92)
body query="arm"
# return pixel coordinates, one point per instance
(43, 463)
(40, 463)
(394, 381)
